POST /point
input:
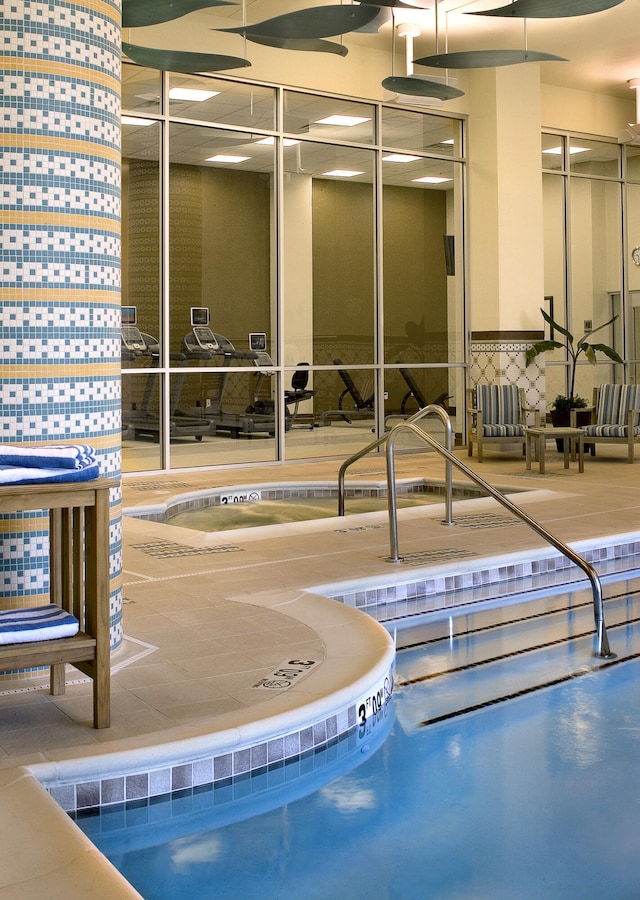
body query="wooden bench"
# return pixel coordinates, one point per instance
(78, 583)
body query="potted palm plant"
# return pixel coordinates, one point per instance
(563, 404)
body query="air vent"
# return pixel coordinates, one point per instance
(155, 485)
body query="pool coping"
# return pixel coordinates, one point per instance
(358, 664)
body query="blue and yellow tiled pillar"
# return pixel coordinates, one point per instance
(59, 257)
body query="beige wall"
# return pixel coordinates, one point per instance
(343, 263)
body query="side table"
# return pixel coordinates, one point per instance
(540, 435)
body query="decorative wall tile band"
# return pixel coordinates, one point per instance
(503, 362)
(429, 594)
(211, 770)
(60, 257)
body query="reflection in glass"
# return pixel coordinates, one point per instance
(408, 130)
(251, 292)
(633, 257)
(234, 428)
(632, 161)
(225, 102)
(141, 236)
(329, 118)
(420, 226)
(220, 238)
(141, 91)
(410, 388)
(554, 255)
(588, 157)
(328, 259)
(595, 267)
(141, 418)
(346, 394)
(553, 151)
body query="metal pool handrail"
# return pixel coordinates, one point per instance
(602, 648)
(432, 409)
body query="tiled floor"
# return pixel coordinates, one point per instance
(202, 629)
(196, 639)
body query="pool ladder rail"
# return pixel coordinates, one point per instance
(601, 643)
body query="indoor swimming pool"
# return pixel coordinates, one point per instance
(530, 798)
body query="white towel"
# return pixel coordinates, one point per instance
(37, 623)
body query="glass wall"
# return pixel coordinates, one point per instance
(292, 264)
(632, 255)
(584, 262)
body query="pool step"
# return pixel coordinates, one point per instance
(498, 654)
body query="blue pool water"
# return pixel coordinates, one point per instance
(535, 798)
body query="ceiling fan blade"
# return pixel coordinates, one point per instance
(182, 61)
(549, 9)
(480, 59)
(416, 86)
(137, 13)
(313, 45)
(385, 14)
(315, 22)
(396, 3)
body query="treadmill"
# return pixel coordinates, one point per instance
(204, 345)
(142, 420)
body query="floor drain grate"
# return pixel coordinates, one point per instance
(358, 528)
(164, 549)
(485, 520)
(416, 559)
(532, 474)
(155, 485)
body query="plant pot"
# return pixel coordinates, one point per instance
(562, 419)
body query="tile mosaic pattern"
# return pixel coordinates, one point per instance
(59, 258)
(503, 362)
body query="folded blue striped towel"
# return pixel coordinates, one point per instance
(37, 623)
(50, 456)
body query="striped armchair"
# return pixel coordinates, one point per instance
(616, 417)
(496, 415)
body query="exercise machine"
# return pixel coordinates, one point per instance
(204, 345)
(351, 404)
(142, 419)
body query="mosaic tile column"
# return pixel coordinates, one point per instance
(60, 259)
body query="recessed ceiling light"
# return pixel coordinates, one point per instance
(287, 142)
(432, 179)
(342, 173)
(558, 150)
(134, 120)
(448, 141)
(400, 157)
(347, 121)
(191, 94)
(223, 157)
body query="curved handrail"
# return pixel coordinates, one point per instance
(602, 648)
(421, 414)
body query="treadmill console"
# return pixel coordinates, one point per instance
(132, 338)
(262, 359)
(205, 338)
(130, 335)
